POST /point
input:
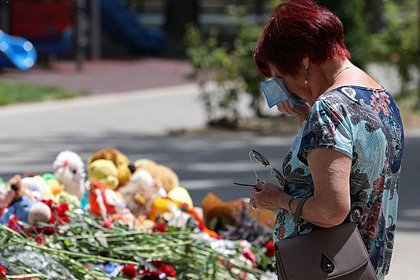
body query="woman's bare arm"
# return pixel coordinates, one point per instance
(330, 203)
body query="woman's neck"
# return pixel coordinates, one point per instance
(333, 70)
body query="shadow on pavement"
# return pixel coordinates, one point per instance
(203, 163)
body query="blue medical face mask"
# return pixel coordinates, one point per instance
(275, 92)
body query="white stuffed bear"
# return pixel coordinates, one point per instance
(69, 170)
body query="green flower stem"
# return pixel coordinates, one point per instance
(128, 233)
(23, 276)
(74, 254)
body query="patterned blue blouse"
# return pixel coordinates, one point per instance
(365, 125)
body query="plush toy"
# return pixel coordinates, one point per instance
(38, 187)
(120, 160)
(103, 200)
(69, 170)
(164, 175)
(27, 211)
(17, 201)
(55, 186)
(39, 213)
(140, 192)
(58, 194)
(217, 213)
(14, 188)
(103, 170)
(181, 195)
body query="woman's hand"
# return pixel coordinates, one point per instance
(300, 112)
(268, 196)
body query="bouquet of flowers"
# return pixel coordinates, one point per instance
(77, 245)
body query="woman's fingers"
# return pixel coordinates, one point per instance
(300, 112)
(266, 197)
(285, 107)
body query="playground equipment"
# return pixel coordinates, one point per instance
(16, 52)
(49, 25)
(61, 27)
(123, 25)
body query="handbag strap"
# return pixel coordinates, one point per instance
(298, 213)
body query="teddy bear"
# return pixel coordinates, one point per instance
(70, 171)
(121, 161)
(105, 171)
(57, 193)
(217, 213)
(164, 175)
(140, 192)
(37, 186)
(16, 200)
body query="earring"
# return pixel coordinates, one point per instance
(306, 76)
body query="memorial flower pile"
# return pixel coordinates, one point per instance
(123, 220)
(77, 245)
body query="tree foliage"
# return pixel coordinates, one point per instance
(398, 41)
(225, 70)
(375, 31)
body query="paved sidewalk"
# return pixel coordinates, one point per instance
(108, 75)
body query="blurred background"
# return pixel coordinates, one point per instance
(175, 82)
(209, 42)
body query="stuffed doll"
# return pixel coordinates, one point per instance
(164, 175)
(55, 186)
(104, 170)
(120, 160)
(27, 211)
(70, 171)
(217, 213)
(17, 201)
(58, 194)
(140, 192)
(14, 188)
(181, 195)
(38, 187)
(103, 200)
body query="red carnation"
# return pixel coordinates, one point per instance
(165, 268)
(13, 223)
(160, 228)
(247, 253)
(40, 239)
(49, 202)
(269, 249)
(61, 209)
(148, 274)
(3, 271)
(129, 270)
(107, 224)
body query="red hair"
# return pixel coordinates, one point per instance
(299, 28)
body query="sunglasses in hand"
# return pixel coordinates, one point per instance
(256, 156)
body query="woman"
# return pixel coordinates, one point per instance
(346, 156)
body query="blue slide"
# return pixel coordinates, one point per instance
(16, 52)
(124, 26)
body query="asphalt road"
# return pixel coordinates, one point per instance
(136, 123)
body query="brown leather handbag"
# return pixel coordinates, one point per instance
(331, 253)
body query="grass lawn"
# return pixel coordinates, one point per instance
(20, 92)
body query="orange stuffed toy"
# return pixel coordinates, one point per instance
(103, 200)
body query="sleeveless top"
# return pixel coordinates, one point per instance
(365, 125)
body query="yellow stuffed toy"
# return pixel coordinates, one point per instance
(120, 160)
(105, 171)
(164, 175)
